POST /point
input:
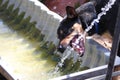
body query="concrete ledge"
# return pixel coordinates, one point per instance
(97, 73)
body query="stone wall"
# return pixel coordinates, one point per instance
(47, 21)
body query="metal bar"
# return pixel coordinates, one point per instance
(102, 77)
(84, 74)
(115, 47)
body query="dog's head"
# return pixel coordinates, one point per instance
(72, 25)
(68, 28)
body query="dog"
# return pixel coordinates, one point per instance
(77, 20)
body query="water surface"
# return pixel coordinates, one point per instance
(19, 55)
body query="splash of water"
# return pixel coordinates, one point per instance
(65, 55)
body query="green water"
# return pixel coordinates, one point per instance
(19, 54)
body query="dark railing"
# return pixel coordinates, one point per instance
(115, 47)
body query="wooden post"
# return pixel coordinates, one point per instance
(115, 47)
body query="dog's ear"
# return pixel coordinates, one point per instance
(71, 13)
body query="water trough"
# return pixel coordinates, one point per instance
(47, 22)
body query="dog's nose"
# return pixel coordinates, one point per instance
(61, 48)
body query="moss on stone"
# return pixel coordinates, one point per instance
(12, 16)
(51, 48)
(8, 10)
(18, 23)
(23, 25)
(70, 67)
(1, 2)
(14, 13)
(3, 7)
(19, 18)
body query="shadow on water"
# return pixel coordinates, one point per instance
(40, 52)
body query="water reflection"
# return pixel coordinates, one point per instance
(20, 55)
